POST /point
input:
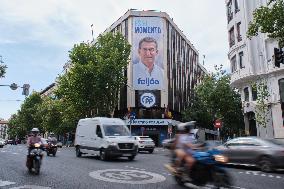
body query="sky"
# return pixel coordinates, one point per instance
(35, 36)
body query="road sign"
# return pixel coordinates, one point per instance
(170, 130)
(218, 123)
(142, 129)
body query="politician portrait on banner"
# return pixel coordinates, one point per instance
(147, 53)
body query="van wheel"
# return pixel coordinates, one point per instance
(151, 151)
(78, 152)
(103, 155)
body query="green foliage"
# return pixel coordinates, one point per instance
(91, 87)
(2, 70)
(262, 107)
(269, 19)
(214, 98)
(28, 117)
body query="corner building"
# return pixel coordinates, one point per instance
(253, 61)
(152, 103)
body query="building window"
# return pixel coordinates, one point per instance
(236, 6)
(231, 37)
(233, 63)
(281, 92)
(254, 93)
(246, 93)
(239, 36)
(241, 63)
(229, 11)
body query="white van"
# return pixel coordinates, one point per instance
(106, 137)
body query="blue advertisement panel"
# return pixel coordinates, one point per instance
(147, 53)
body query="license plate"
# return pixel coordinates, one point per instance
(127, 154)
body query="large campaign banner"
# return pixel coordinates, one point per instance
(147, 53)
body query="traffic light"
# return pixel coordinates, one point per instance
(26, 88)
(278, 57)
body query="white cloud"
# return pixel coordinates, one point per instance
(51, 28)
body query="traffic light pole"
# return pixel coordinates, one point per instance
(14, 86)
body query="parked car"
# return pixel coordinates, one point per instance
(167, 143)
(267, 154)
(145, 143)
(2, 143)
(12, 142)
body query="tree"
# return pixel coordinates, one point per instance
(269, 19)
(27, 117)
(2, 70)
(214, 98)
(92, 85)
(262, 107)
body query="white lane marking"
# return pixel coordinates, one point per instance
(278, 177)
(30, 187)
(127, 176)
(270, 176)
(5, 183)
(15, 153)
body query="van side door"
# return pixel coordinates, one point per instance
(99, 137)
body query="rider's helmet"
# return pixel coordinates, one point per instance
(35, 131)
(51, 134)
(186, 127)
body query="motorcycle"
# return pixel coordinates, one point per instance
(51, 149)
(35, 158)
(208, 169)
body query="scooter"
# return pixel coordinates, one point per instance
(51, 149)
(35, 158)
(208, 169)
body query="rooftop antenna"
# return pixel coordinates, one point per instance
(203, 59)
(92, 33)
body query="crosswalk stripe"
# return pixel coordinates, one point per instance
(6, 183)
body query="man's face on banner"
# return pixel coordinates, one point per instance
(147, 53)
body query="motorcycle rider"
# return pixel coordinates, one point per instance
(52, 139)
(33, 138)
(184, 145)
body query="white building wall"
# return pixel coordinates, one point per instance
(258, 64)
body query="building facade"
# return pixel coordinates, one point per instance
(156, 102)
(252, 62)
(151, 102)
(3, 129)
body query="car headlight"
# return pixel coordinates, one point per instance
(37, 145)
(221, 158)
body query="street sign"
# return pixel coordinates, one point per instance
(170, 130)
(218, 123)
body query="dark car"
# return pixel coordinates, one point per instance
(267, 154)
(12, 142)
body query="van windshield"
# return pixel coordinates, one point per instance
(116, 130)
